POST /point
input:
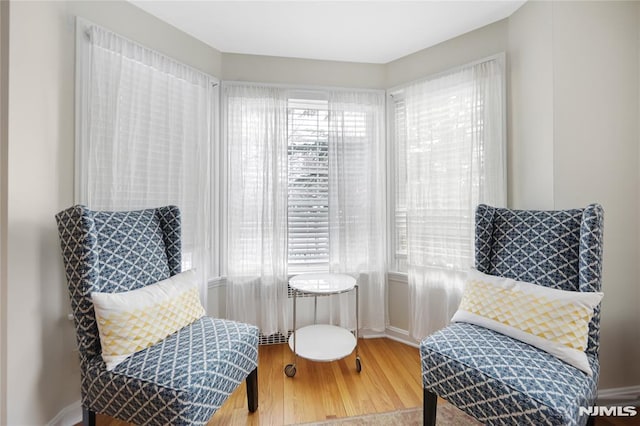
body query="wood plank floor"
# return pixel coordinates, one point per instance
(390, 380)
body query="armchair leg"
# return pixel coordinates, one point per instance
(252, 390)
(88, 417)
(430, 403)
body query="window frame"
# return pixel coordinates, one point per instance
(393, 258)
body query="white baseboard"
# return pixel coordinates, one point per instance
(68, 416)
(366, 333)
(629, 395)
(401, 336)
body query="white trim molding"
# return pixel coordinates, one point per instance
(366, 333)
(68, 416)
(629, 395)
(400, 335)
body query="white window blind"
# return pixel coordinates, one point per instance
(308, 185)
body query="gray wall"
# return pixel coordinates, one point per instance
(42, 373)
(483, 42)
(268, 69)
(530, 121)
(4, 120)
(596, 141)
(574, 139)
(134, 23)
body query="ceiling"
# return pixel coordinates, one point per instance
(353, 31)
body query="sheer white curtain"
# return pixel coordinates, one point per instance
(144, 135)
(455, 160)
(256, 143)
(357, 237)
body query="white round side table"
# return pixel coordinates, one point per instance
(322, 342)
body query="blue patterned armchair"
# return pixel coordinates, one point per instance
(500, 380)
(181, 380)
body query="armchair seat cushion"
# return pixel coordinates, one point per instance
(184, 379)
(501, 380)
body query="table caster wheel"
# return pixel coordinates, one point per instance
(290, 370)
(358, 364)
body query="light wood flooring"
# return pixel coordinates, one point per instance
(390, 380)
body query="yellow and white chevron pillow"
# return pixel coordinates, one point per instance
(134, 320)
(556, 321)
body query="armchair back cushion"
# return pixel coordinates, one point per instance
(112, 252)
(558, 249)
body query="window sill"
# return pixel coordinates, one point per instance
(217, 282)
(397, 276)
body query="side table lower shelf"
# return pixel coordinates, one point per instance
(323, 343)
